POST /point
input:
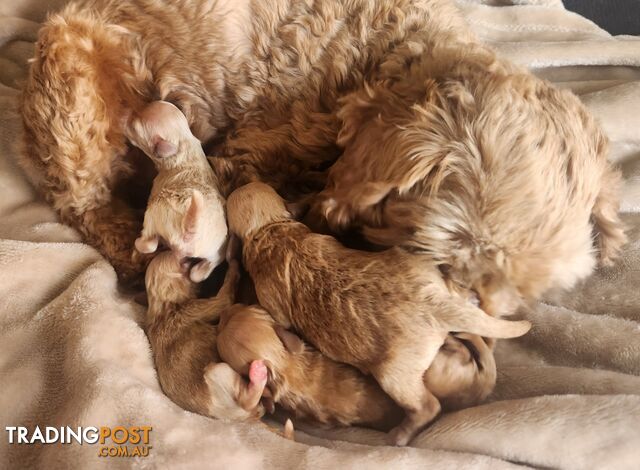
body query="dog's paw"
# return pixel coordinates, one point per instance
(146, 245)
(399, 436)
(201, 271)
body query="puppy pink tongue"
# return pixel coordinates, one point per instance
(257, 374)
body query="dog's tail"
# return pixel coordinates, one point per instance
(457, 315)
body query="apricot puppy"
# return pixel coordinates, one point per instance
(183, 342)
(385, 313)
(306, 382)
(301, 379)
(463, 373)
(185, 209)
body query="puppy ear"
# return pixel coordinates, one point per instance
(192, 217)
(163, 148)
(291, 341)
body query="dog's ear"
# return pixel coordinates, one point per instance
(356, 109)
(291, 341)
(192, 217)
(163, 148)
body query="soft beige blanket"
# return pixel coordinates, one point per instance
(568, 396)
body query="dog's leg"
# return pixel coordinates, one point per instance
(401, 377)
(82, 81)
(209, 310)
(345, 207)
(202, 270)
(147, 244)
(402, 380)
(608, 227)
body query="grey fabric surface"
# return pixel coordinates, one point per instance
(615, 16)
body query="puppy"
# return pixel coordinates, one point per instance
(501, 178)
(301, 379)
(183, 342)
(463, 373)
(185, 209)
(385, 313)
(304, 381)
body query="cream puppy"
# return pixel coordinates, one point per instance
(386, 313)
(183, 342)
(185, 209)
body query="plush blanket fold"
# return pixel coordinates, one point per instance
(72, 352)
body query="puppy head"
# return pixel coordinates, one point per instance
(167, 281)
(226, 389)
(162, 132)
(247, 333)
(253, 206)
(485, 275)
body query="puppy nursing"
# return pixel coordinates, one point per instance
(303, 380)
(300, 378)
(496, 182)
(500, 177)
(383, 313)
(183, 342)
(185, 210)
(463, 373)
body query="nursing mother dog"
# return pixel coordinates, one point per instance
(385, 313)
(499, 177)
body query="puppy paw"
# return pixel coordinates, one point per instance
(337, 215)
(288, 432)
(146, 245)
(399, 436)
(201, 271)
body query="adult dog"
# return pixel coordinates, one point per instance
(284, 82)
(267, 73)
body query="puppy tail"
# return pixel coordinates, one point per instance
(457, 315)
